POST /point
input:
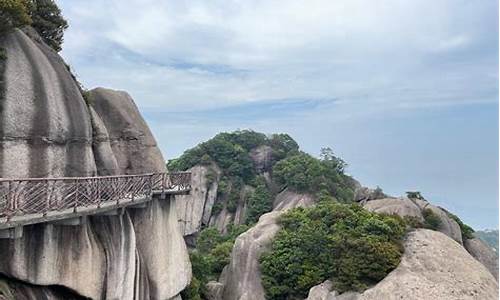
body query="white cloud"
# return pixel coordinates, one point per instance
(214, 53)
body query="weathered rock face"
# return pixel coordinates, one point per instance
(434, 267)
(484, 254)
(195, 209)
(47, 130)
(262, 157)
(242, 279)
(131, 141)
(413, 208)
(45, 127)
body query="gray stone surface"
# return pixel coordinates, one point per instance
(399, 206)
(413, 207)
(131, 140)
(195, 209)
(214, 290)
(241, 278)
(47, 130)
(262, 157)
(434, 267)
(484, 254)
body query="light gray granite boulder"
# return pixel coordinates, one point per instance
(131, 139)
(414, 208)
(484, 254)
(195, 209)
(434, 266)
(214, 290)
(242, 277)
(47, 130)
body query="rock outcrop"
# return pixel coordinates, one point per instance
(195, 210)
(47, 130)
(406, 207)
(484, 254)
(242, 279)
(434, 267)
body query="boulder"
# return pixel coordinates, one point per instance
(194, 210)
(47, 130)
(289, 199)
(214, 290)
(241, 278)
(433, 266)
(321, 291)
(484, 254)
(398, 206)
(130, 138)
(406, 207)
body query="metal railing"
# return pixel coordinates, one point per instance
(20, 197)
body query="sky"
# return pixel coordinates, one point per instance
(406, 92)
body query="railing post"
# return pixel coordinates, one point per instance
(97, 184)
(77, 194)
(47, 197)
(9, 204)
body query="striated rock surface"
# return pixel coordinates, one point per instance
(242, 277)
(130, 138)
(262, 157)
(47, 130)
(195, 209)
(484, 254)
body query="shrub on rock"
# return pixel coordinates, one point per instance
(352, 247)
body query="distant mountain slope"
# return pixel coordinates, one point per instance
(489, 236)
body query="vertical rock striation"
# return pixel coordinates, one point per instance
(47, 130)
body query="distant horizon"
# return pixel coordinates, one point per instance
(405, 92)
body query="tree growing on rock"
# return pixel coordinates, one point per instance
(13, 13)
(48, 22)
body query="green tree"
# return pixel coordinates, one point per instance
(48, 22)
(13, 13)
(259, 202)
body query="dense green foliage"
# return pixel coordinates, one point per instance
(431, 219)
(43, 15)
(231, 153)
(259, 202)
(212, 253)
(304, 173)
(467, 231)
(490, 237)
(342, 242)
(48, 22)
(13, 13)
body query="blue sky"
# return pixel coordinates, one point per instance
(405, 91)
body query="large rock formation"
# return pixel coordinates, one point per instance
(406, 207)
(433, 266)
(195, 210)
(484, 254)
(241, 279)
(47, 130)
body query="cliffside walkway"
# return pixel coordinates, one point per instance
(38, 200)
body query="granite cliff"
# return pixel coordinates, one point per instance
(48, 130)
